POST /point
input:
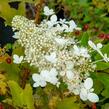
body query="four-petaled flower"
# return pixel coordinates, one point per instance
(86, 92)
(48, 11)
(44, 77)
(50, 76)
(17, 59)
(51, 58)
(39, 80)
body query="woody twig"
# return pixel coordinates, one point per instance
(38, 11)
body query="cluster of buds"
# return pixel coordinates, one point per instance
(103, 36)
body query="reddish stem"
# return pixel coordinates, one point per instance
(94, 106)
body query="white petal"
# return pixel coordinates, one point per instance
(78, 28)
(62, 21)
(93, 97)
(69, 65)
(53, 18)
(35, 85)
(97, 48)
(76, 91)
(46, 8)
(50, 24)
(53, 72)
(53, 81)
(83, 94)
(51, 58)
(16, 35)
(106, 59)
(35, 77)
(50, 76)
(70, 75)
(43, 83)
(99, 45)
(92, 45)
(39, 80)
(61, 41)
(72, 25)
(44, 74)
(62, 73)
(58, 84)
(48, 11)
(91, 90)
(21, 58)
(88, 84)
(15, 56)
(76, 48)
(16, 59)
(65, 27)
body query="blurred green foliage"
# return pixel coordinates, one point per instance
(92, 12)
(7, 11)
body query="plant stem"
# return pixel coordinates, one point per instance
(38, 11)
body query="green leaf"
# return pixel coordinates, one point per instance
(105, 93)
(8, 46)
(8, 13)
(17, 49)
(105, 106)
(63, 86)
(16, 93)
(29, 1)
(21, 97)
(104, 79)
(68, 103)
(102, 65)
(84, 39)
(87, 19)
(12, 70)
(83, 1)
(104, 50)
(27, 97)
(98, 86)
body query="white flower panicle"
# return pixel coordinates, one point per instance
(57, 56)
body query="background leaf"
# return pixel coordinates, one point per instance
(21, 97)
(11, 71)
(104, 79)
(16, 93)
(8, 13)
(84, 39)
(68, 103)
(28, 97)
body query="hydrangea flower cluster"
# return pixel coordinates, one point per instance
(59, 57)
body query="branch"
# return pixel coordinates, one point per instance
(38, 11)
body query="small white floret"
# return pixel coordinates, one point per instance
(17, 59)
